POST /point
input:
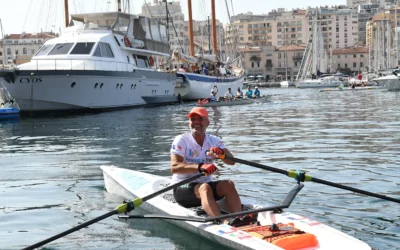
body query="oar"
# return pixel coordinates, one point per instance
(126, 207)
(301, 176)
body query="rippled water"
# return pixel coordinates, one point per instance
(50, 178)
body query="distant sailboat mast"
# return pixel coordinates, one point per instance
(66, 13)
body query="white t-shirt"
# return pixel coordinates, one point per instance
(187, 147)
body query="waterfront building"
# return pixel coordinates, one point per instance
(350, 60)
(339, 25)
(288, 59)
(365, 12)
(20, 48)
(176, 21)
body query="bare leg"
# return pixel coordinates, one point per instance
(227, 189)
(205, 193)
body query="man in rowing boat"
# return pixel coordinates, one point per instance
(228, 95)
(194, 152)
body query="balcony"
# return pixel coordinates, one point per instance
(297, 58)
(268, 64)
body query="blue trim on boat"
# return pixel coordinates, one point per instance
(205, 78)
(8, 113)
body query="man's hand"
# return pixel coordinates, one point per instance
(216, 153)
(208, 169)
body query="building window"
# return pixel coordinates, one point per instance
(338, 65)
(24, 51)
(345, 65)
(252, 64)
(354, 65)
(361, 65)
(354, 56)
(338, 56)
(258, 64)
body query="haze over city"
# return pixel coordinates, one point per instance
(48, 15)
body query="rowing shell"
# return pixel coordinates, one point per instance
(231, 103)
(349, 88)
(131, 184)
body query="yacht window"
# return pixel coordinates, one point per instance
(134, 59)
(44, 50)
(163, 33)
(121, 25)
(142, 61)
(106, 50)
(61, 49)
(155, 32)
(82, 49)
(144, 22)
(97, 51)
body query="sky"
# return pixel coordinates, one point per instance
(34, 16)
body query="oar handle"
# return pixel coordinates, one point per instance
(257, 165)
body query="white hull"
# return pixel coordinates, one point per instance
(390, 82)
(199, 86)
(130, 184)
(317, 83)
(53, 90)
(284, 84)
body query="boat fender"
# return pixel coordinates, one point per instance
(127, 42)
(151, 61)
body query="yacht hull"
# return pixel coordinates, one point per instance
(42, 90)
(390, 82)
(199, 86)
(317, 83)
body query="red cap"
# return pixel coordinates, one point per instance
(198, 111)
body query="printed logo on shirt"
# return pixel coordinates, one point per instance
(179, 148)
(193, 153)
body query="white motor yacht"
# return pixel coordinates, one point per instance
(102, 61)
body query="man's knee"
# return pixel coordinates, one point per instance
(225, 188)
(203, 189)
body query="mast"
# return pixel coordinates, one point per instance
(4, 44)
(397, 36)
(119, 5)
(284, 42)
(209, 34)
(191, 42)
(214, 30)
(66, 13)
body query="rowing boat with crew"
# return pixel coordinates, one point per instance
(351, 89)
(266, 228)
(259, 227)
(207, 103)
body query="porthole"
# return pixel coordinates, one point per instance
(73, 84)
(95, 86)
(101, 85)
(120, 86)
(132, 86)
(117, 86)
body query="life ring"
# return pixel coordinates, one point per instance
(127, 42)
(151, 61)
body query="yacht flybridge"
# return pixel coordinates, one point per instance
(102, 61)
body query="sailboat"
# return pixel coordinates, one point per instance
(225, 75)
(102, 61)
(315, 61)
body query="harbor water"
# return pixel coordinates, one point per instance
(50, 178)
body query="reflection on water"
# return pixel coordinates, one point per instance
(51, 179)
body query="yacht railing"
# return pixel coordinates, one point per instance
(67, 64)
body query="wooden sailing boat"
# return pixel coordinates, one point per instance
(198, 86)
